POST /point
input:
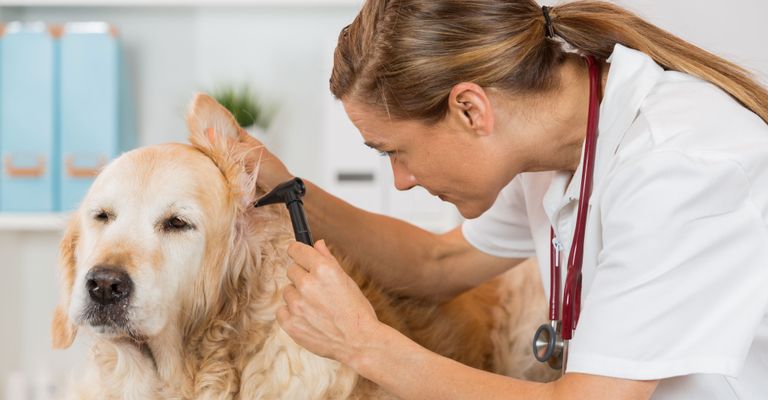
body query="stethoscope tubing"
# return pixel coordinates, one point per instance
(572, 292)
(553, 338)
(554, 277)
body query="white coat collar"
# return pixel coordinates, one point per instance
(631, 77)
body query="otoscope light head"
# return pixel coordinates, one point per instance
(285, 192)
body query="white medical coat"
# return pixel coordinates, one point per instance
(675, 273)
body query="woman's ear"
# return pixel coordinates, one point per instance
(63, 331)
(469, 104)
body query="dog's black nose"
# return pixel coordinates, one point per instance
(108, 285)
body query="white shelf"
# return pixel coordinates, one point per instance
(33, 222)
(165, 3)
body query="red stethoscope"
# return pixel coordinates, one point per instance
(550, 343)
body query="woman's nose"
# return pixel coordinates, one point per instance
(404, 180)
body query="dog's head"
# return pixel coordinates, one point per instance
(152, 238)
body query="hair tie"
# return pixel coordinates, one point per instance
(549, 29)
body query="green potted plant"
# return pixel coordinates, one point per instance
(250, 112)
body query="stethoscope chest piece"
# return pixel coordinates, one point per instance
(548, 345)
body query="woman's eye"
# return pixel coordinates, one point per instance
(176, 224)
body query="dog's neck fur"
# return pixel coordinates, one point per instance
(167, 353)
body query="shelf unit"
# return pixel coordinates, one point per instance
(33, 222)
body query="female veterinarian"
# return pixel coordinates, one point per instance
(629, 162)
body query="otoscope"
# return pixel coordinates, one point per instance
(290, 193)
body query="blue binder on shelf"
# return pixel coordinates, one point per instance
(27, 118)
(94, 117)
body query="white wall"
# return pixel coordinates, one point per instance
(29, 291)
(735, 29)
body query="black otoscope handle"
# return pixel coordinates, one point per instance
(299, 222)
(290, 194)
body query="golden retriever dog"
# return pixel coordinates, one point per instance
(177, 278)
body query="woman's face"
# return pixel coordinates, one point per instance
(448, 161)
(485, 140)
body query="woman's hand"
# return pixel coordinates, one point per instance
(325, 310)
(259, 160)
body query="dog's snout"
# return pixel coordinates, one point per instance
(108, 285)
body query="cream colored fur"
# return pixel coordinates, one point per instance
(203, 309)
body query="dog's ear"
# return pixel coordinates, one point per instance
(208, 121)
(63, 331)
(215, 132)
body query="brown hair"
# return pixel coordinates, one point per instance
(405, 55)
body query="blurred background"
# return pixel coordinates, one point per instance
(83, 80)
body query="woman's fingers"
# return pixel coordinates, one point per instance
(292, 298)
(283, 316)
(306, 256)
(322, 248)
(297, 274)
(261, 162)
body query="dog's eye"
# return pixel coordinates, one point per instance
(102, 216)
(176, 224)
